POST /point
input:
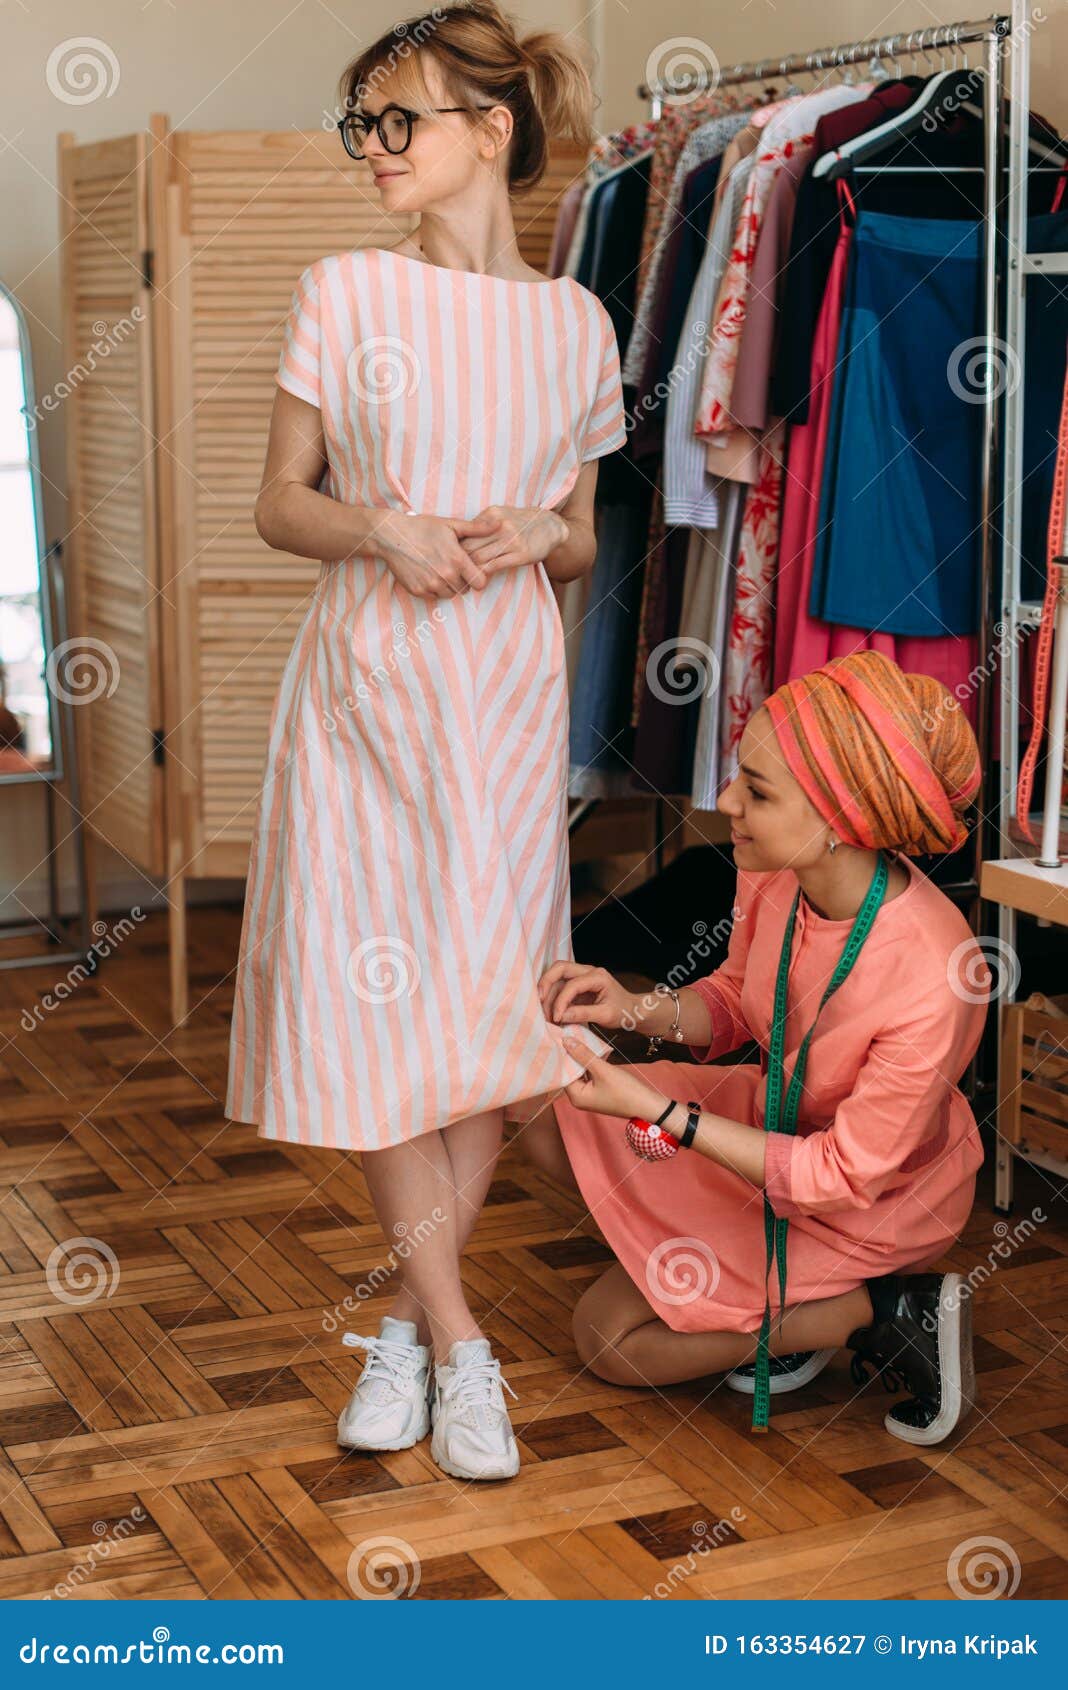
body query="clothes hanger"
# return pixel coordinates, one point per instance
(952, 88)
(837, 162)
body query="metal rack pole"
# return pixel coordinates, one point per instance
(829, 58)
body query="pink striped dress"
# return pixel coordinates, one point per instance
(408, 880)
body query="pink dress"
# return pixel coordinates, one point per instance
(881, 1174)
(408, 881)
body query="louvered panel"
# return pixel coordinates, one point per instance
(112, 663)
(246, 213)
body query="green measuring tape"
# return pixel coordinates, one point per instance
(780, 1119)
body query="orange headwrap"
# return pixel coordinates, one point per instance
(888, 758)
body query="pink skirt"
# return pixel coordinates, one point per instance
(691, 1233)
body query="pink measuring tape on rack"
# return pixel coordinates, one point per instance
(1054, 549)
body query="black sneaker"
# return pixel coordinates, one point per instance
(921, 1339)
(785, 1373)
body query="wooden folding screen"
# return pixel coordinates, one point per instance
(234, 218)
(111, 667)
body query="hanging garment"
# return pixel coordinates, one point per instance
(675, 124)
(881, 1174)
(802, 643)
(719, 562)
(607, 155)
(564, 227)
(691, 491)
(617, 212)
(667, 351)
(663, 744)
(791, 125)
(601, 742)
(953, 187)
(747, 669)
(706, 142)
(814, 235)
(759, 337)
(408, 880)
(901, 475)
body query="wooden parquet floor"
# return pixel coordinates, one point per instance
(167, 1414)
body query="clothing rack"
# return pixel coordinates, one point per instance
(997, 35)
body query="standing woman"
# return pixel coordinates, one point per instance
(440, 408)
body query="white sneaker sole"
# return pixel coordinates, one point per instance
(503, 1471)
(956, 1363)
(783, 1382)
(348, 1440)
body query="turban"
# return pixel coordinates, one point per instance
(888, 758)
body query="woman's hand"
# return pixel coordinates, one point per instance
(428, 554)
(523, 536)
(604, 1002)
(609, 1088)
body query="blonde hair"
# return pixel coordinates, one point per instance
(541, 78)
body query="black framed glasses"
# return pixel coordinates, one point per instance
(394, 125)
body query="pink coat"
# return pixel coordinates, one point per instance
(881, 1174)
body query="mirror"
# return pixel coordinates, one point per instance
(29, 744)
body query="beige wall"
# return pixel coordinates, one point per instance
(274, 64)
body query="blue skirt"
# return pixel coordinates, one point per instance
(899, 544)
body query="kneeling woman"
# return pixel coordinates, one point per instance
(866, 992)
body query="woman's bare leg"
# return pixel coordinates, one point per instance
(619, 1338)
(472, 1147)
(412, 1184)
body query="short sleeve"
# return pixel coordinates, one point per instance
(606, 424)
(298, 365)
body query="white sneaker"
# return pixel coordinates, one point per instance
(472, 1433)
(389, 1408)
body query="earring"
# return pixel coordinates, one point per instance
(832, 845)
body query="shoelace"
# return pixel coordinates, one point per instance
(861, 1373)
(395, 1364)
(472, 1387)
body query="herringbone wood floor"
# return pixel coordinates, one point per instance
(173, 1434)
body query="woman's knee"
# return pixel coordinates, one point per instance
(600, 1329)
